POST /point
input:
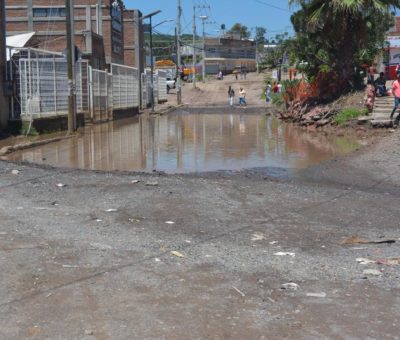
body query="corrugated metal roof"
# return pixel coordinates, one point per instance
(19, 40)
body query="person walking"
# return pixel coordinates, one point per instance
(371, 74)
(396, 94)
(268, 93)
(231, 94)
(242, 97)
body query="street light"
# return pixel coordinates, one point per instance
(204, 18)
(149, 16)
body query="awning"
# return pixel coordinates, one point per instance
(19, 40)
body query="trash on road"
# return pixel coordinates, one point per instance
(157, 259)
(152, 184)
(99, 220)
(273, 242)
(169, 222)
(111, 210)
(135, 181)
(89, 332)
(283, 253)
(239, 291)
(357, 240)
(290, 286)
(177, 253)
(317, 295)
(258, 237)
(363, 260)
(372, 272)
(389, 262)
(15, 172)
(61, 185)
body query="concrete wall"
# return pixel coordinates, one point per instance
(3, 99)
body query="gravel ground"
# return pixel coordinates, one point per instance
(73, 270)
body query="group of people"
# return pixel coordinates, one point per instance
(380, 88)
(242, 96)
(277, 88)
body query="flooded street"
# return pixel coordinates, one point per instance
(186, 142)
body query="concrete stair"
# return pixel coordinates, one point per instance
(381, 114)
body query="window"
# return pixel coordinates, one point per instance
(49, 12)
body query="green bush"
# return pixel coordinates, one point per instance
(349, 114)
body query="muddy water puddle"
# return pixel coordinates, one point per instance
(187, 142)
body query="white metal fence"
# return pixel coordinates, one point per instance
(125, 86)
(162, 86)
(40, 86)
(100, 95)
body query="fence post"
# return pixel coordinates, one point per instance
(90, 77)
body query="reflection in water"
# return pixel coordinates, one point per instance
(184, 142)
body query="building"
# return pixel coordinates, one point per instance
(3, 98)
(226, 54)
(101, 28)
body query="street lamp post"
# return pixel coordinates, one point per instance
(149, 16)
(204, 18)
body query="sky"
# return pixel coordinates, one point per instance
(274, 15)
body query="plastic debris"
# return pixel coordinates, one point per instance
(15, 172)
(282, 253)
(99, 220)
(290, 286)
(111, 210)
(362, 260)
(258, 237)
(135, 181)
(239, 291)
(152, 184)
(372, 272)
(169, 222)
(89, 332)
(273, 242)
(61, 185)
(177, 253)
(317, 295)
(357, 240)
(157, 259)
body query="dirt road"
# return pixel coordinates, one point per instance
(93, 258)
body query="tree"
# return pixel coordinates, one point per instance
(241, 30)
(260, 35)
(339, 36)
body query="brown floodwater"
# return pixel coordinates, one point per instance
(184, 142)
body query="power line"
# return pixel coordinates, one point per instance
(272, 6)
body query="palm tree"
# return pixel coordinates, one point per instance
(345, 25)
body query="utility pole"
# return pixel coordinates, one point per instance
(69, 13)
(204, 18)
(3, 99)
(178, 57)
(194, 47)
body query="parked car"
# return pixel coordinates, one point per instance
(170, 84)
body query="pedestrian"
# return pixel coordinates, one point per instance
(279, 87)
(380, 85)
(242, 97)
(371, 74)
(268, 93)
(231, 94)
(276, 89)
(396, 94)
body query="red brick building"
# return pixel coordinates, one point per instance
(99, 26)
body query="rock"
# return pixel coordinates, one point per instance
(322, 122)
(317, 295)
(152, 184)
(290, 286)
(371, 272)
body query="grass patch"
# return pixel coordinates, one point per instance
(349, 114)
